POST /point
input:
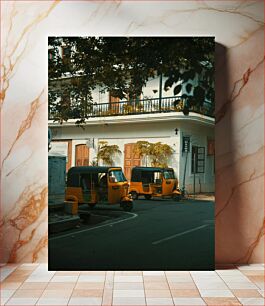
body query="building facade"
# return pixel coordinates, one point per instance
(155, 116)
(191, 138)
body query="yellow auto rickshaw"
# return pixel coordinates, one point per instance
(104, 185)
(154, 182)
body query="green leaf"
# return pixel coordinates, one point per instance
(169, 82)
(177, 89)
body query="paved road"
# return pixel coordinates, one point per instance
(157, 235)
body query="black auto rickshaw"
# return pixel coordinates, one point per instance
(104, 185)
(154, 182)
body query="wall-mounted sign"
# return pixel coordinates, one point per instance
(186, 144)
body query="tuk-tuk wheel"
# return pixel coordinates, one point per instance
(127, 206)
(134, 195)
(148, 196)
(176, 197)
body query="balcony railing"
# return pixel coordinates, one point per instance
(145, 106)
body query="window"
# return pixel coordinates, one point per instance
(117, 176)
(157, 178)
(197, 159)
(114, 103)
(169, 174)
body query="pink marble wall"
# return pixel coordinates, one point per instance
(237, 25)
(240, 152)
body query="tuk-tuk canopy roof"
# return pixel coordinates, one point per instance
(75, 173)
(91, 169)
(147, 173)
(151, 169)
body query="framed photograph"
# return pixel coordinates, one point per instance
(131, 174)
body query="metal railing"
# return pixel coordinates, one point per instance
(145, 106)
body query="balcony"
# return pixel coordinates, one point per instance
(145, 106)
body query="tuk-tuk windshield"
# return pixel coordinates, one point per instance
(117, 176)
(169, 174)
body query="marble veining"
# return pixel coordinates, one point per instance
(237, 25)
(20, 224)
(237, 88)
(10, 56)
(249, 252)
(234, 188)
(240, 154)
(237, 9)
(25, 124)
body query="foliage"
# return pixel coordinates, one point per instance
(123, 65)
(106, 152)
(142, 148)
(131, 108)
(94, 162)
(157, 152)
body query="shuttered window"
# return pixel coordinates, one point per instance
(198, 159)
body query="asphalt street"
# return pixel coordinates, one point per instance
(156, 235)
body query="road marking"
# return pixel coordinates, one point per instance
(180, 234)
(96, 227)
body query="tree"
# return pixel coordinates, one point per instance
(106, 153)
(123, 65)
(142, 148)
(158, 152)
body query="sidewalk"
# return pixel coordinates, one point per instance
(203, 196)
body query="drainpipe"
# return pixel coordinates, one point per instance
(184, 176)
(160, 91)
(194, 171)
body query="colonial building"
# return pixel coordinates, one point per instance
(153, 118)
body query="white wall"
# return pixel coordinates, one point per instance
(122, 134)
(147, 91)
(153, 84)
(59, 148)
(100, 97)
(152, 131)
(203, 181)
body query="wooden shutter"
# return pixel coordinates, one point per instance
(114, 104)
(69, 160)
(130, 159)
(81, 155)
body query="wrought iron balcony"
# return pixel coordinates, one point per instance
(137, 107)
